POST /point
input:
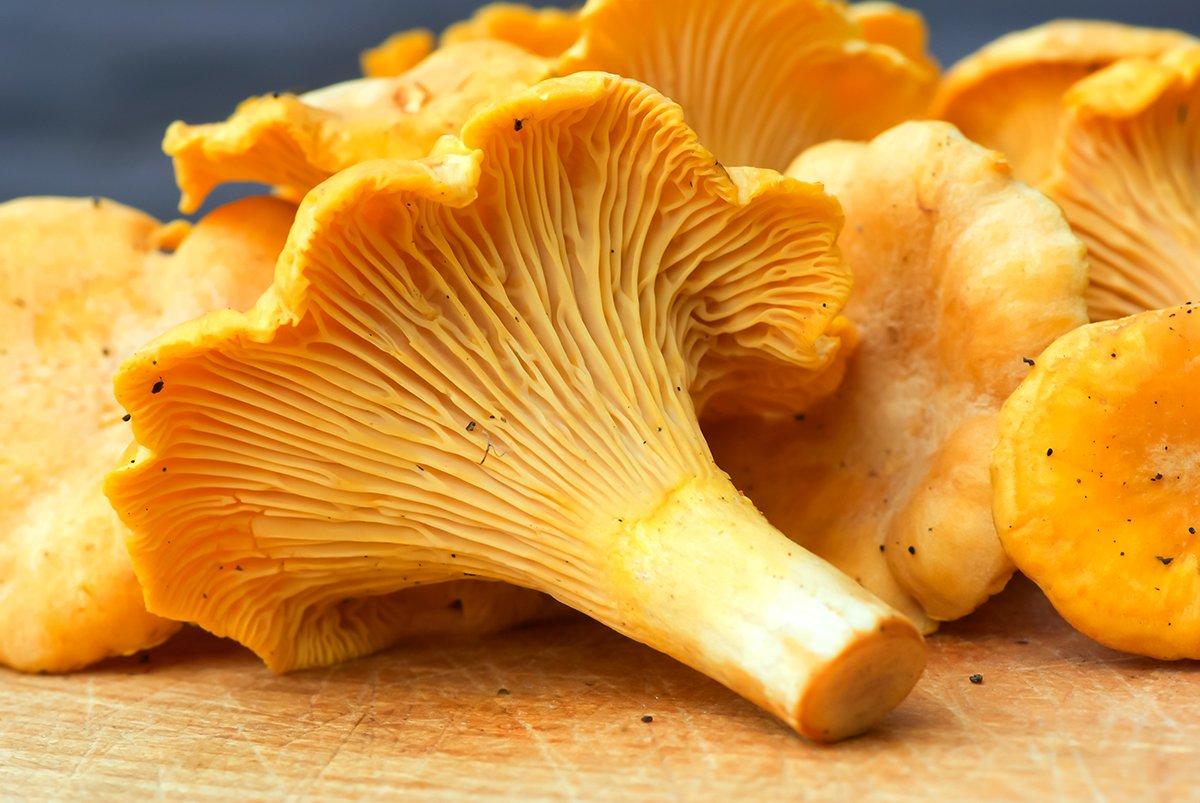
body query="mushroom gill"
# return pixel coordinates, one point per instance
(759, 80)
(478, 365)
(1127, 175)
(961, 273)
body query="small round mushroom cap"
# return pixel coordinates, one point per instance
(82, 283)
(479, 365)
(1127, 175)
(1097, 481)
(960, 272)
(1008, 95)
(759, 80)
(544, 32)
(295, 142)
(397, 54)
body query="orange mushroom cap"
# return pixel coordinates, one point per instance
(900, 28)
(961, 272)
(1008, 95)
(397, 54)
(82, 283)
(541, 31)
(1096, 480)
(295, 142)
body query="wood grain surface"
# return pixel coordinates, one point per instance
(555, 712)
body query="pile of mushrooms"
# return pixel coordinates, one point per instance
(629, 310)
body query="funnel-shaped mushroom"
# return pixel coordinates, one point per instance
(295, 142)
(1097, 480)
(1127, 175)
(1008, 96)
(479, 365)
(82, 284)
(960, 273)
(759, 80)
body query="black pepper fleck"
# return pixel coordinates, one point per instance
(912, 550)
(157, 387)
(647, 718)
(976, 678)
(126, 417)
(518, 124)
(1164, 561)
(502, 692)
(1028, 361)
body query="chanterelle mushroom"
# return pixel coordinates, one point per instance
(541, 31)
(1008, 96)
(960, 273)
(1127, 175)
(296, 142)
(1096, 479)
(901, 28)
(759, 80)
(479, 365)
(397, 55)
(82, 283)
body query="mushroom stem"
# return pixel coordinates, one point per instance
(707, 580)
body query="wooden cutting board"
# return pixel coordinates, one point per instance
(555, 712)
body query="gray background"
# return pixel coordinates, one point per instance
(88, 86)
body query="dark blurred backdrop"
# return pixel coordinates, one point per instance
(88, 86)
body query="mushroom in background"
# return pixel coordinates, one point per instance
(900, 28)
(776, 77)
(759, 80)
(1009, 95)
(960, 272)
(1127, 175)
(294, 142)
(397, 54)
(544, 32)
(1096, 477)
(83, 282)
(479, 365)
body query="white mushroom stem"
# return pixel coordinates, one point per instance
(707, 580)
